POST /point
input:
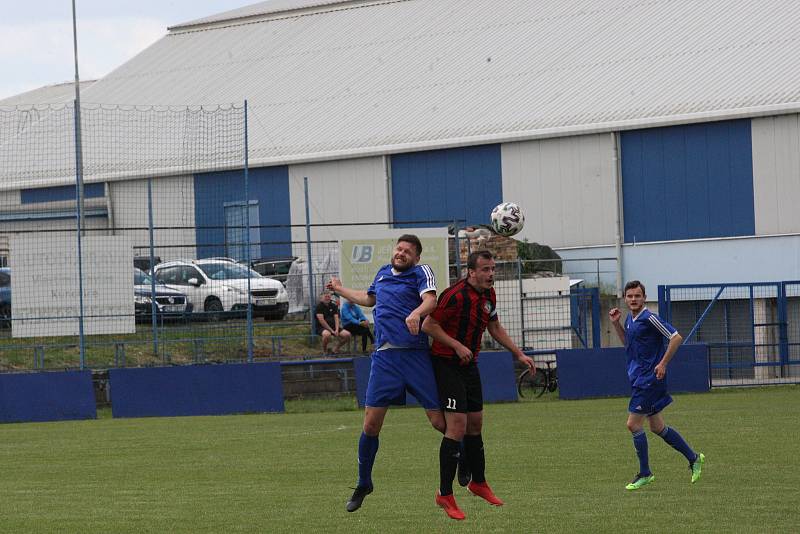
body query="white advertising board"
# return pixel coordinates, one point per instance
(45, 287)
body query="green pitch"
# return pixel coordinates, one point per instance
(561, 466)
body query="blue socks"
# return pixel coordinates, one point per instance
(367, 450)
(640, 444)
(677, 442)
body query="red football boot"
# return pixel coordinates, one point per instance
(448, 502)
(482, 490)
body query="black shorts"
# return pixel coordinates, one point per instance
(459, 385)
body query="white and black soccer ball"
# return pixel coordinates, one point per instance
(507, 219)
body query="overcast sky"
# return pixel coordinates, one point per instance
(36, 36)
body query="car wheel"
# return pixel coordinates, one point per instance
(213, 309)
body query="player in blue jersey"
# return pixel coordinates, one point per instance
(644, 336)
(402, 294)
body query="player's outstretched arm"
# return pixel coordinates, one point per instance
(615, 315)
(499, 333)
(432, 327)
(353, 295)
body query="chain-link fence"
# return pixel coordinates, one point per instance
(752, 330)
(140, 236)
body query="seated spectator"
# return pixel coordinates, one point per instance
(328, 326)
(355, 322)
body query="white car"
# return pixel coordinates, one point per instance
(219, 285)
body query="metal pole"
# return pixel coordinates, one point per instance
(616, 174)
(457, 245)
(78, 136)
(78, 185)
(153, 305)
(521, 304)
(311, 295)
(79, 217)
(247, 241)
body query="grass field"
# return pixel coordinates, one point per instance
(561, 466)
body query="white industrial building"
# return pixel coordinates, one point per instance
(664, 134)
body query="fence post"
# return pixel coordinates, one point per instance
(247, 242)
(595, 293)
(153, 305)
(521, 303)
(458, 249)
(783, 326)
(310, 263)
(663, 310)
(79, 224)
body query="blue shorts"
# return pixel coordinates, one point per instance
(395, 371)
(650, 400)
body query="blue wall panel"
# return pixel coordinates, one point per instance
(584, 373)
(196, 390)
(688, 182)
(64, 192)
(458, 183)
(268, 185)
(498, 378)
(47, 396)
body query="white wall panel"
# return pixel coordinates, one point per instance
(343, 191)
(566, 187)
(776, 174)
(173, 210)
(702, 261)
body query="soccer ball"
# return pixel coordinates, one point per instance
(507, 219)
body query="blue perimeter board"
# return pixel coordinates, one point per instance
(196, 390)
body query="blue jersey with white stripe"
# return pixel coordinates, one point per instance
(397, 294)
(646, 338)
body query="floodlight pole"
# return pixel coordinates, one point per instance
(78, 137)
(79, 188)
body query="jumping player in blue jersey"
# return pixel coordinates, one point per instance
(644, 336)
(402, 294)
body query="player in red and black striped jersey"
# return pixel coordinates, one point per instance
(464, 311)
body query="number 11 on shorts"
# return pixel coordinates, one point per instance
(451, 404)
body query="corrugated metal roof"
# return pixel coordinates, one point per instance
(271, 7)
(400, 75)
(49, 94)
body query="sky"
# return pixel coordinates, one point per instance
(36, 36)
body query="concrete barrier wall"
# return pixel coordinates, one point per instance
(196, 390)
(584, 373)
(46, 396)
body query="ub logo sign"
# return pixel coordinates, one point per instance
(362, 254)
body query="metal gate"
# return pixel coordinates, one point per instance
(752, 329)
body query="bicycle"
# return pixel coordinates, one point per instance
(544, 379)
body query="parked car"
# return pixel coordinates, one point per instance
(144, 263)
(170, 304)
(5, 297)
(276, 267)
(218, 286)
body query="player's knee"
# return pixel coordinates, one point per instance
(437, 421)
(372, 428)
(634, 426)
(439, 424)
(456, 430)
(345, 334)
